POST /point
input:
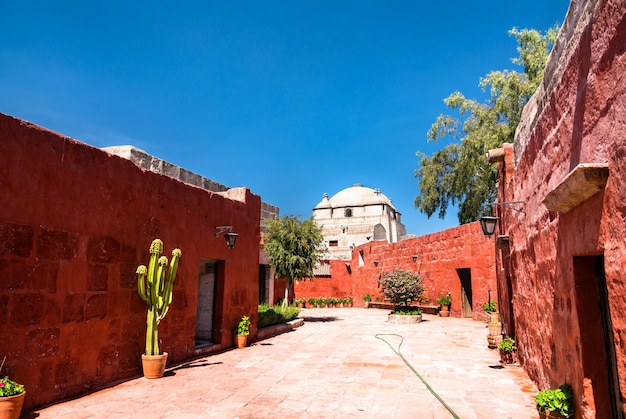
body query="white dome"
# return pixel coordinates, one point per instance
(355, 196)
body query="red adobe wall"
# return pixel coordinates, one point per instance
(338, 285)
(74, 225)
(576, 117)
(439, 255)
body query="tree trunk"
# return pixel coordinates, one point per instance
(287, 289)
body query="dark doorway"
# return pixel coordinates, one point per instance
(264, 284)
(596, 336)
(206, 301)
(465, 276)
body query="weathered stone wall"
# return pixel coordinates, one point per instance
(74, 225)
(438, 258)
(576, 117)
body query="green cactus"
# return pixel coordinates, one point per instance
(155, 288)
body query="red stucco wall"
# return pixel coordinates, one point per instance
(439, 255)
(577, 118)
(74, 224)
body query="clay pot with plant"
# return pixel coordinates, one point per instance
(507, 350)
(155, 287)
(444, 302)
(491, 308)
(556, 403)
(11, 397)
(243, 330)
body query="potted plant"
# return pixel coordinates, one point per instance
(11, 397)
(348, 302)
(243, 330)
(507, 350)
(556, 403)
(367, 298)
(401, 288)
(444, 301)
(491, 308)
(155, 288)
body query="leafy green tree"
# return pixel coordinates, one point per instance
(459, 174)
(294, 248)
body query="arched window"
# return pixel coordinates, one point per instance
(347, 212)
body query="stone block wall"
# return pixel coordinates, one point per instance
(438, 257)
(566, 267)
(74, 225)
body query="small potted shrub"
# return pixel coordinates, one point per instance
(491, 308)
(401, 288)
(507, 350)
(11, 397)
(243, 330)
(556, 403)
(444, 301)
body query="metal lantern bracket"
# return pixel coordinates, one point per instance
(489, 223)
(510, 205)
(230, 237)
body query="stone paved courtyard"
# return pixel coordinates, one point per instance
(333, 366)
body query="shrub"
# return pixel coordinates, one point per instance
(557, 400)
(243, 328)
(269, 316)
(401, 287)
(507, 345)
(407, 311)
(491, 306)
(444, 300)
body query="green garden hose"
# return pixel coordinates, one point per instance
(378, 336)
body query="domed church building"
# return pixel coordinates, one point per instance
(354, 216)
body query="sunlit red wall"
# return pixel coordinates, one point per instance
(438, 257)
(576, 118)
(74, 224)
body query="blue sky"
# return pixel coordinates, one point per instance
(291, 99)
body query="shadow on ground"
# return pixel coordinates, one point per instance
(320, 319)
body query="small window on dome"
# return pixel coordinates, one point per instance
(347, 212)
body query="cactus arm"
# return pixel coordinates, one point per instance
(169, 284)
(158, 286)
(141, 282)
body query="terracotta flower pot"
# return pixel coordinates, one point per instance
(507, 357)
(550, 415)
(154, 365)
(242, 340)
(11, 406)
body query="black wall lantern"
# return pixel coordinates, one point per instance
(230, 237)
(488, 224)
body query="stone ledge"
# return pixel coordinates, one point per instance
(580, 184)
(427, 309)
(276, 329)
